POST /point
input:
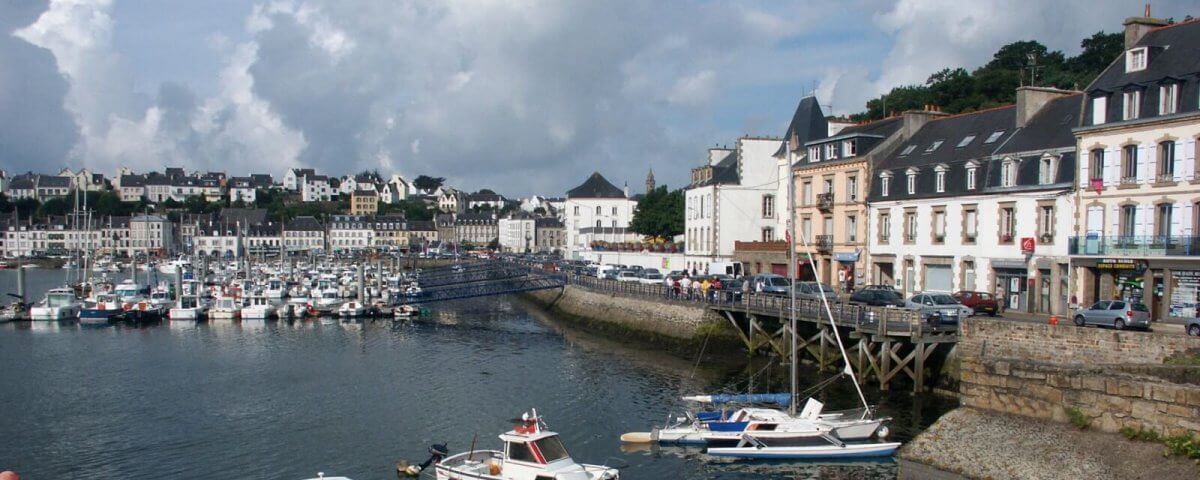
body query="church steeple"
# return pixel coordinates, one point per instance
(650, 181)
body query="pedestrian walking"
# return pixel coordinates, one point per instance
(687, 287)
(696, 290)
(675, 287)
(718, 290)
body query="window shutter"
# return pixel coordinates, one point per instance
(1095, 220)
(1084, 163)
(1186, 153)
(1185, 219)
(1112, 159)
(1145, 163)
(1145, 220)
(1114, 219)
(1176, 223)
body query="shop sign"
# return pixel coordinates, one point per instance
(1027, 244)
(1121, 264)
(846, 256)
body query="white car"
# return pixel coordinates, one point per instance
(651, 278)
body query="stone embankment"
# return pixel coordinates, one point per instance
(1042, 376)
(676, 324)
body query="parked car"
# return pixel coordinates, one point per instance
(814, 290)
(610, 274)
(877, 298)
(980, 302)
(771, 283)
(628, 276)
(1118, 314)
(939, 305)
(650, 277)
(1193, 327)
(676, 274)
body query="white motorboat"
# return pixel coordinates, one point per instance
(530, 452)
(161, 299)
(328, 302)
(406, 311)
(225, 308)
(258, 307)
(59, 304)
(352, 309)
(275, 289)
(814, 446)
(175, 267)
(187, 308)
(129, 291)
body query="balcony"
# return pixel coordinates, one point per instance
(824, 243)
(1135, 246)
(825, 201)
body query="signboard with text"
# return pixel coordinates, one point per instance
(1027, 244)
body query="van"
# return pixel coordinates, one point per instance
(733, 269)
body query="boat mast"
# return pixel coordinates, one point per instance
(792, 272)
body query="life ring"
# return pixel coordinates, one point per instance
(100, 307)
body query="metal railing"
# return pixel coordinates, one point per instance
(1136, 246)
(825, 201)
(823, 243)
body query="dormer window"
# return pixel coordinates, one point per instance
(971, 177)
(885, 180)
(994, 136)
(850, 148)
(1008, 173)
(912, 181)
(1048, 170)
(1099, 110)
(1168, 99)
(907, 150)
(966, 141)
(1133, 105)
(1135, 60)
(941, 179)
(814, 154)
(933, 146)
(831, 151)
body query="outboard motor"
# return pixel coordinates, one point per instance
(437, 452)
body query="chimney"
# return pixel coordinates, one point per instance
(1137, 27)
(915, 119)
(1030, 100)
(626, 189)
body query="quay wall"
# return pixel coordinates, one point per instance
(1115, 378)
(659, 320)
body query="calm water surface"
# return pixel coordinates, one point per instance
(284, 400)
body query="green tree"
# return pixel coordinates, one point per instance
(55, 207)
(659, 214)
(425, 182)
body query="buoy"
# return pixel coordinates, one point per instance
(637, 437)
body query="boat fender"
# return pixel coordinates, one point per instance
(882, 432)
(494, 467)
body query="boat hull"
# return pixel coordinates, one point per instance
(53, 313)
(850, 450)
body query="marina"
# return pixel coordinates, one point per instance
(353, 399)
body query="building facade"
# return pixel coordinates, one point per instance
(517, 234)
(595, 204)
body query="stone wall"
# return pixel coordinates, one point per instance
(1117, 379)
(680, 322)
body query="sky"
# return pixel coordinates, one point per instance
(519, 96)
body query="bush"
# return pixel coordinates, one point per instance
(1077, 418)
(1184, 445)
(1140, 434)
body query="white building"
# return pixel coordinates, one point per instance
(595, 203)
(451, 201)
(293, 179)
(316, 188)
(348, 233)
(980, 202)
(401, 187)
(518, 234)
(303, 235)
(151, 235)
(733, 197)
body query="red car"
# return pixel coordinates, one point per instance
(980, 302)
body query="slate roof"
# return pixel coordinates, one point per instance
(547, 222)
(951, 131)
(1049, 128)
(261, 179)
(245, 216)
(53, 181)
(485, 197)
(1174, 57)
(596, 186)
(421, 225)
(808, 123)
(305, 223)
(475, 219)
(133, 181)
(302, 172)
(241, 182)
(21, 182)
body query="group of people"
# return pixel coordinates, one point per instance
(702, 287)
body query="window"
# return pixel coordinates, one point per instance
(1047, 170)
(614, 210)
(939, 226)
(597, 210)
(1166, 161)
(971, 178)
(970, 224)
(1162, 226)
(850, 148)
(768, 206)
(994, 136)
(520, 452)
(1132, 106)
(933, 146)
(768, 234)
(941, 181)
(912, 183)
(597, 224)
(806, 194)
(831, 151)
(828, 185)
(1168, 99)
(851, 228)
(1046, 223)
(1135, 60)
(827, 226)
(1128, 220)
(910, 227)
(966, 141)
(885, 228)
(814, 154)
(883, 185)
(852, 187)
(907, 150)
(806, 229)
(1096, 169)
(1129, 160)
(1008, 173)
(1007, 224)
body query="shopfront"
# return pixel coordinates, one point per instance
(847, 278)
(1011, 283)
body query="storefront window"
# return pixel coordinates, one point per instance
(1185, 293)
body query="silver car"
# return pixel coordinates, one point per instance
(939, 305)
(813, 291)
(1118, 314)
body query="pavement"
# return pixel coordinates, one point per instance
(1172, 326)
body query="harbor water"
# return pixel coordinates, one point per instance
(284, 400)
